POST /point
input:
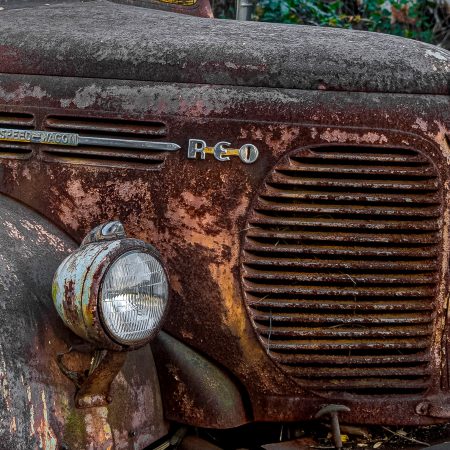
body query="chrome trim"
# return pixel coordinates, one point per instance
(129, 143)
(74, 140)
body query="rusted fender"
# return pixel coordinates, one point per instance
(36, 400)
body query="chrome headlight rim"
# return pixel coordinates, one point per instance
(150, 250)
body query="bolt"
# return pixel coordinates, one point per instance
(332, 411)
(113, 229)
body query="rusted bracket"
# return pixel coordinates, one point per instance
(94, 384)
(333, 411)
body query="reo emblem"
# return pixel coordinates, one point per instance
(222, 151)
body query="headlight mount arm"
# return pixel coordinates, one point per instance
(93, 385)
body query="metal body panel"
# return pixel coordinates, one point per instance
(204, 394)
(106, 40)
(36, 400)
(195, 211)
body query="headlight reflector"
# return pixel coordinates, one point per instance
(134, 297)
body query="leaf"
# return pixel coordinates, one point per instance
(417, 19)
(284, 8)
(378, 444)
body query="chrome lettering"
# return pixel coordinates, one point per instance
(219, 150)
(248, 153)
(196, 146)
(222, 151)
(38, 137)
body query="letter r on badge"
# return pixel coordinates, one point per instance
(196, 146)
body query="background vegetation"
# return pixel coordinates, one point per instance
(425, 20)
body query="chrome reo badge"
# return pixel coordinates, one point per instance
(73, 139)
(222, 151)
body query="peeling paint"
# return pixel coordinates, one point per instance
(4, 384)
(24, 92)
(195, 212)
(13, 231)
(342, 136)
(421, 124)
(47, 438)
(437, 54)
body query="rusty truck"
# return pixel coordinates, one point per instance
(217, 224)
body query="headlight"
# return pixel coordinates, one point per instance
(133, 297)
(112, 291)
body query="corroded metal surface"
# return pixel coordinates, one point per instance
(341, 267)
(96, 388)
(204, 394)
(320, 151)
(101, 39)
(195, 211)
(97, 153)
(37, 402)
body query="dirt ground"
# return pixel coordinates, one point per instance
(360, 438)
(316, 435)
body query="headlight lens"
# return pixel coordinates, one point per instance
(134, 297)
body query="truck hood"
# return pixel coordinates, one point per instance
(101, 39)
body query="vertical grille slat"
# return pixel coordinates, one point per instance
(340, 267)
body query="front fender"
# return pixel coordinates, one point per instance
(36, 400)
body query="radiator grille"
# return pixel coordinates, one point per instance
(340, 267)
(102, 127)
(20, 121)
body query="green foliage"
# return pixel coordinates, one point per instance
(224, 9)
(408, 18)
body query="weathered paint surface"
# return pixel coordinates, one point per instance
(289, 92)
(37, 402)
(203, 393)
(106, 40)
(75, 291)
(195, 211)
(77, 285)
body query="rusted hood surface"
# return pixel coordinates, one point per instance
(105, 40)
